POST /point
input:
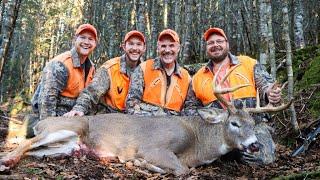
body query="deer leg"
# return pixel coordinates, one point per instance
(143, 163)
(12, 158)
(163, 159)
(56, 143)
(42, 139)
(54, 137)
(57, 149)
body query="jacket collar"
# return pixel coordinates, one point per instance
(158, 65)
(123, 68)
(123, 64)
(233, 61)
(75, 58)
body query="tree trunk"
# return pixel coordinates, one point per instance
(298, 25)
(177, 17)
(246, 14)
(263, 32)
(7, 29)
(201, 28)
(133, 13)
(152, 43)
(254, 27)
(239, 33)
(271, 46)
(141, 25)
(227, 19)
(187, 47)
(111, 29)
(3, 8)
(165, 13)
(286, 37)
(178, 24)
(141, 20)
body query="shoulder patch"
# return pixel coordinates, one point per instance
(108, 64)
(243, 58)
(62, 57)
(144, 64)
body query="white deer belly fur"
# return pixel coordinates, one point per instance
(57, 143)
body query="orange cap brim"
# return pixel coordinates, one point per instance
(211, 31)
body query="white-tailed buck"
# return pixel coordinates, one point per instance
(161, 144)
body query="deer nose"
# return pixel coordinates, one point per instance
(254, 147)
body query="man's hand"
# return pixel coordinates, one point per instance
(274, 94)
(73, 113)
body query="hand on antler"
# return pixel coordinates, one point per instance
(274, 93)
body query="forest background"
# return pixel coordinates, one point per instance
(34, 31)
(281, 34)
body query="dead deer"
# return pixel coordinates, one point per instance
(161, 144)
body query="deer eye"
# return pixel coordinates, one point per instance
(235, 124)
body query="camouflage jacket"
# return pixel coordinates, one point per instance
(262, 81)
(47, 100)
(134, 103)
(89, 98)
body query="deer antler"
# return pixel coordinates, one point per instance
(218, 91)
(269, 107)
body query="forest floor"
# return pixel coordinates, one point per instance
(304, 166)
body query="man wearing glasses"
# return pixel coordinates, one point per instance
(248, 71)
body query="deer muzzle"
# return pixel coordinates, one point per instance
(254, 147)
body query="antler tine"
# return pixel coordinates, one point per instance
(284, 85)
(227, 90)
(218, 91)
(228, 73)
(276, 84)
(269, 108)
(257, 99)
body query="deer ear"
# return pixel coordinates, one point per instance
(213, 115)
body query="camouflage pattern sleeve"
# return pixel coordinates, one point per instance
(262, 80)
(191, 103)
(54, 80)
(90, 96)
(134, 103)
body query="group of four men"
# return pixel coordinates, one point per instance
(69, 85)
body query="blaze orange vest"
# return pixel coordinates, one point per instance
(119, 85)
(155, 87)
(76, 76)
(203, 85)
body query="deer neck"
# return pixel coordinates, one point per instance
(204, 151)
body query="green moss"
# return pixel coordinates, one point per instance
(315, 104)
(311, 76)
(302, 59)
(306, 71)
(309, 81)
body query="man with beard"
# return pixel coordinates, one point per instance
(111, 82)
(159, 86)
(248, 71)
